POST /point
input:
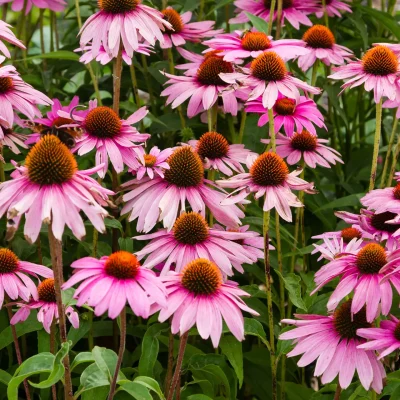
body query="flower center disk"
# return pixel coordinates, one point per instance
(118, 6)
(346, 325)
(50, 162)
(174, 19)
(103, 122)
(319, 37)
(304, 141)
(210, 68)
(371, 258)
(285, 4)
(122, 265)
(268, 67)
(269, 170)
(285, 106)
(6, 84)
(60, 121)
(190, 228)
(149, 160)
(378, 221)
(255, 41)
(8, 261)
(46, 291)
(185, 168)
(201, 277)
(212, 145)
(380, 61)
(350, 233)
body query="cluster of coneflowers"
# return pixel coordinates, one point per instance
(183, 272)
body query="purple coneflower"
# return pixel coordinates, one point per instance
(333, 8)
(19, 5)
(153, 163)
(333, 247)
(7, 35)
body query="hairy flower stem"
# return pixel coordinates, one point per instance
(394, 162)
(201, 10)
(338, 392)
(168, 376)
(53, 351)
(242, 127)
(148, 79)
(373, 394)
(314, 76)
(122, 342)
(134, 84)
(56, 260)
(378, 128)
(389, 151)
(171, 71)
(271, 16)
(178, 367)
(278, 20)
(4, 12)
(326, 19)
(17, 347)
(42, 43)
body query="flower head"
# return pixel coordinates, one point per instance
(307, 146)
(19, 5)
(112, 137)
(151, 200)
(192, 238)
(321, 45)
(378, 71)
(333, 8)
(202, 84)
(50, 188)
(11, 139)
(47, 305)
(17, 96)
(291, 115)
(199, 296)
(111, 282)
(8, 36)
(15, 281)
(238, 46)
(218, 154)
(383, 200)
(361, 272)
(268, 77)
(153, 163)
(183, 30)
(268, 176)
(122, 24)
(334, 247)
(333, 342)
(294, 11)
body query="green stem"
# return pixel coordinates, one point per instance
(337, 392)
(389, 151)
(278, 20)
(201, 10)
(134, 84)
(168, 376)
(53, 351)
(42, 44)
(90, 333)
(373, 394)
(394, 163)
(148, 82)
(2, 173)
(4, 14)
(268, 283)
(211, 177)
(326, 19)
(271, 16)
(377, 139)
(314, 76)
(242, 127)
(271, 125)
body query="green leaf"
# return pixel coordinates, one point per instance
(81, 358)
(57, 55)
(232, 349)
(347, 201)
(150, 348)
(293, 286)
(113, 224)
(151, 384)
(126, 244)
(93, 377)
(106, 360)
(199, 397)
(298, 392)
(254, 328)
(259, 23)
(5, 377)
(136, 390)
(58, 368)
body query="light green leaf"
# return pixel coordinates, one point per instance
(259, 23)
(293, 286)
(136, 390)
(5, 377)
(347, 201)
(126, 244)
(232, 349)
(57, 55)
(81, 358)
(93, 377)
(151, 384)
(386, 19)
(254, 328)
(113, 224)
(106, 360)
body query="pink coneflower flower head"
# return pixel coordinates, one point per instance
(385, 339)
(192, 238)
(11, 139)
(122, 24)
(154, 163)
(202, 87)
(294, 11)
(360, 273)
(163, 199)
(333, 342)
(50, 188)
(14, 279)
(321, 45)
(111, 282)
(104, 58)
(382, 200)
(333, 8)
(199, 296)
(53, 5)
(268, 77)
(8, 36)
(334, 247)
(183, 30)
(17, 96)
(47, 305)
(304, 145)
(393, 104)
(291, 115)
(268, 176)
(238, 46)
(378, 71)
(218, 154)
(112, 137)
